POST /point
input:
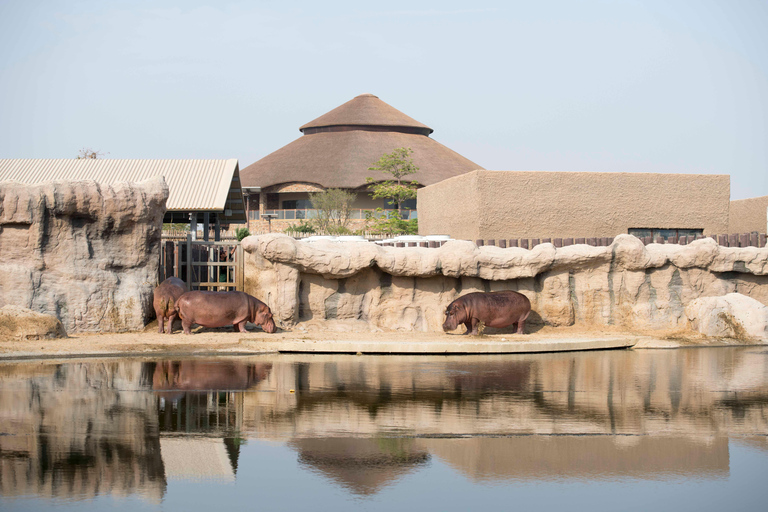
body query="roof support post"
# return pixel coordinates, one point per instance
(206, 225)
(217, 229)
(193, 225)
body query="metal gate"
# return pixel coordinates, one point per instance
(215, 266)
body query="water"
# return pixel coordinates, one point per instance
(613, 430)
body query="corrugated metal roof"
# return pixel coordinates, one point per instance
(194, 185)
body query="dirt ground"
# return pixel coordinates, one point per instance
(224, 341)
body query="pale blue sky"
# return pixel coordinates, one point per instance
(668, 86)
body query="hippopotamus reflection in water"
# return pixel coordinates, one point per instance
(494, 309)
(217, 309)
(178, 376)
(164, 301)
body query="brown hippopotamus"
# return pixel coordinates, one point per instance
(494, 309)
(217, 309)
(165, 296)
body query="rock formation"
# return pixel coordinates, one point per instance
(627, 284)
(84, 252)
(730, 316)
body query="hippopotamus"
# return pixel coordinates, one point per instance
(494, 309)
(165, 296)
(217, 309)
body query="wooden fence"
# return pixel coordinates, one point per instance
(203, 265)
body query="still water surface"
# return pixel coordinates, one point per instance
(612, 430)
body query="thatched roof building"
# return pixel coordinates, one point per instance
(337, 149)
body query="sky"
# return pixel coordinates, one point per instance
(607, 86)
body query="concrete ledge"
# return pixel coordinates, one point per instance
(453, 346)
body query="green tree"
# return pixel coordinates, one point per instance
(241, 233)
(334, 207)
(397, 165)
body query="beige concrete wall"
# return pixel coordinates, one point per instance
(530, 204)
(749, 215)
(451, 207)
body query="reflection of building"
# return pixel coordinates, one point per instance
(80, 429)
(335, 151)
(362, 465)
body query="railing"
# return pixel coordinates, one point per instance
(356, 214)
(176, 234)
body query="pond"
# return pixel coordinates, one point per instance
(682, 429)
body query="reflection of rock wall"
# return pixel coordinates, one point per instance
(697, 394)
(83, 252)
(544, 458)
(626, 284)
(77, 431)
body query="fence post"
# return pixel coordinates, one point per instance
(239, 268)
(189, 261)
(744, 240)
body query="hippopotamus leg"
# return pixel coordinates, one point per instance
(241, 326)
(160, 319)
(521, 324)
(186, 325)
(171, 319)
(473, 326)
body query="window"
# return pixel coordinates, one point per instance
(297, 204)
(666, 234)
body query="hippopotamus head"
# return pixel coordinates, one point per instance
(455, 314)
(264, 318)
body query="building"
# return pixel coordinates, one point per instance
(748, 215)
(537, 204)
(200, 191)
(336, 151)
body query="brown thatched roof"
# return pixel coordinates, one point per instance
(340, 157)
(365, 110)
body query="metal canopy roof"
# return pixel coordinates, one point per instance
(194, 185)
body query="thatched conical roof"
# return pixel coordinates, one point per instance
(337, 149)
(366, 111)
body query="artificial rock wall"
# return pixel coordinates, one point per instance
(627, 284)
(84, 252)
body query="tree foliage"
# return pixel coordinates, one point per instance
(397, 165)
(334, 207)
(241, 233)
(390, 222)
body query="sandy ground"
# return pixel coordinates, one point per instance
(225, 341)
